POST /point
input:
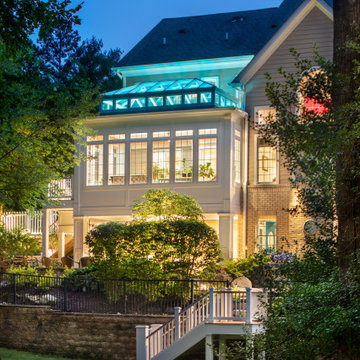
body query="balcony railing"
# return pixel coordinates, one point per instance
(29, 222)
(60, 189)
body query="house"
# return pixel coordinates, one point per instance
(193, 88)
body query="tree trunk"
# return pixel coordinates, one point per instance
(346, 13)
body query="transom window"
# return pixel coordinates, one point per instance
(94, 138)
(160, 134)
(266, 162)
(207, 131)
(117, 137)
(183, 133)
(138, 135)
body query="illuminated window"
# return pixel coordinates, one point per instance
(117, 137)
(207, 159)
(237, 158)
(266, 162)
(183, 133)
(207, 131)
(266, 235)
(264, 115)
(173, 100)
(94, 165)
(184, 160)
(161, 162)
(159, 134)
(155, 101)
(116, 166)
(94, 138)
(213, 80)
(205, 97)
(237, 133)
(138, 163)
(121, 104)
(107, 105)
(137, 103)
(138, 136)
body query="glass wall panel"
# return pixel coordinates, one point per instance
(121, 104)
(161, 162)
(138, 163)
(116, 166)
(184, 160)
(173, 100)
(266, 163)
(155, 101)
(137, 103)
(94, 165)
(205, 97)
(190, 99)
(207, 159)
(107, 105)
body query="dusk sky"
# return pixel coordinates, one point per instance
(123, 23)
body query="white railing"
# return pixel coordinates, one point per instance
(60, 189)
(213, 307)
(30, 222)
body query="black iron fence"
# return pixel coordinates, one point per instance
(91, 295)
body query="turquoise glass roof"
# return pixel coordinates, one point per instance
(165, 95)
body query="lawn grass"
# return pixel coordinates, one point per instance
(9, 354)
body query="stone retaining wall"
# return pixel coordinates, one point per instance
(89, 336)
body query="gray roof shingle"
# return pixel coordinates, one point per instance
(204, 37)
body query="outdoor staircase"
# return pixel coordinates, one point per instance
(221, 313)
(69, 246)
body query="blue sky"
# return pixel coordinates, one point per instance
(123, 23)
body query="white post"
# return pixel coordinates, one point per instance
(248, 306)
(177, 311)
(61, 244)
(209, 352)
(45, 232)
(141, 342)
(211, 305)
(229, 303)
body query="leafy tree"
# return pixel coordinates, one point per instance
(166, 205)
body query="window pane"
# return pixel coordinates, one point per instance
(266, 163)
(190, 99)
(205, 97)
(107, 105)
(173, 100)
(161, 162)
(137, 103)
(117, 137)
(116, 164)
(264, 115)
(121, 104)
(184, 133)
(138, 163)
(94, 165)
(207, 131)
(207, 159)
(237, 161)
(213, 80)
(184, 161)
(94, 138)
(266, 236)
(237, 133)
(155, 101)
(158, 134)
(138, 136)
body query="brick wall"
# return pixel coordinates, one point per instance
(69, 334)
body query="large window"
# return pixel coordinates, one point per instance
(184, 160)
(116, 166)
(263, 115)
(161, 162)
(237, 157)
(266, 162)
(266, 235)
(94, 165)
(138, 163)
(207, 159)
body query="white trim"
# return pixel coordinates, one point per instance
(274, 43)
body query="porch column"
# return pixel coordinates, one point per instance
(61, 244)
(81, 226)
(222, 348)
(226, 235)
(209, 350)
(45, 224)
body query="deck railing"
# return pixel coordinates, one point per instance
(212, 307)
(60, 189)
(30, 222)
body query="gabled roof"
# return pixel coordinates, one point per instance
(210, 36)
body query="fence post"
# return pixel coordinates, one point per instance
(65, 294)
(211, 305)
(14, 288)
(192, 290)
(177, 311)
(248, 306)
(124, 296)
(141, 342)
